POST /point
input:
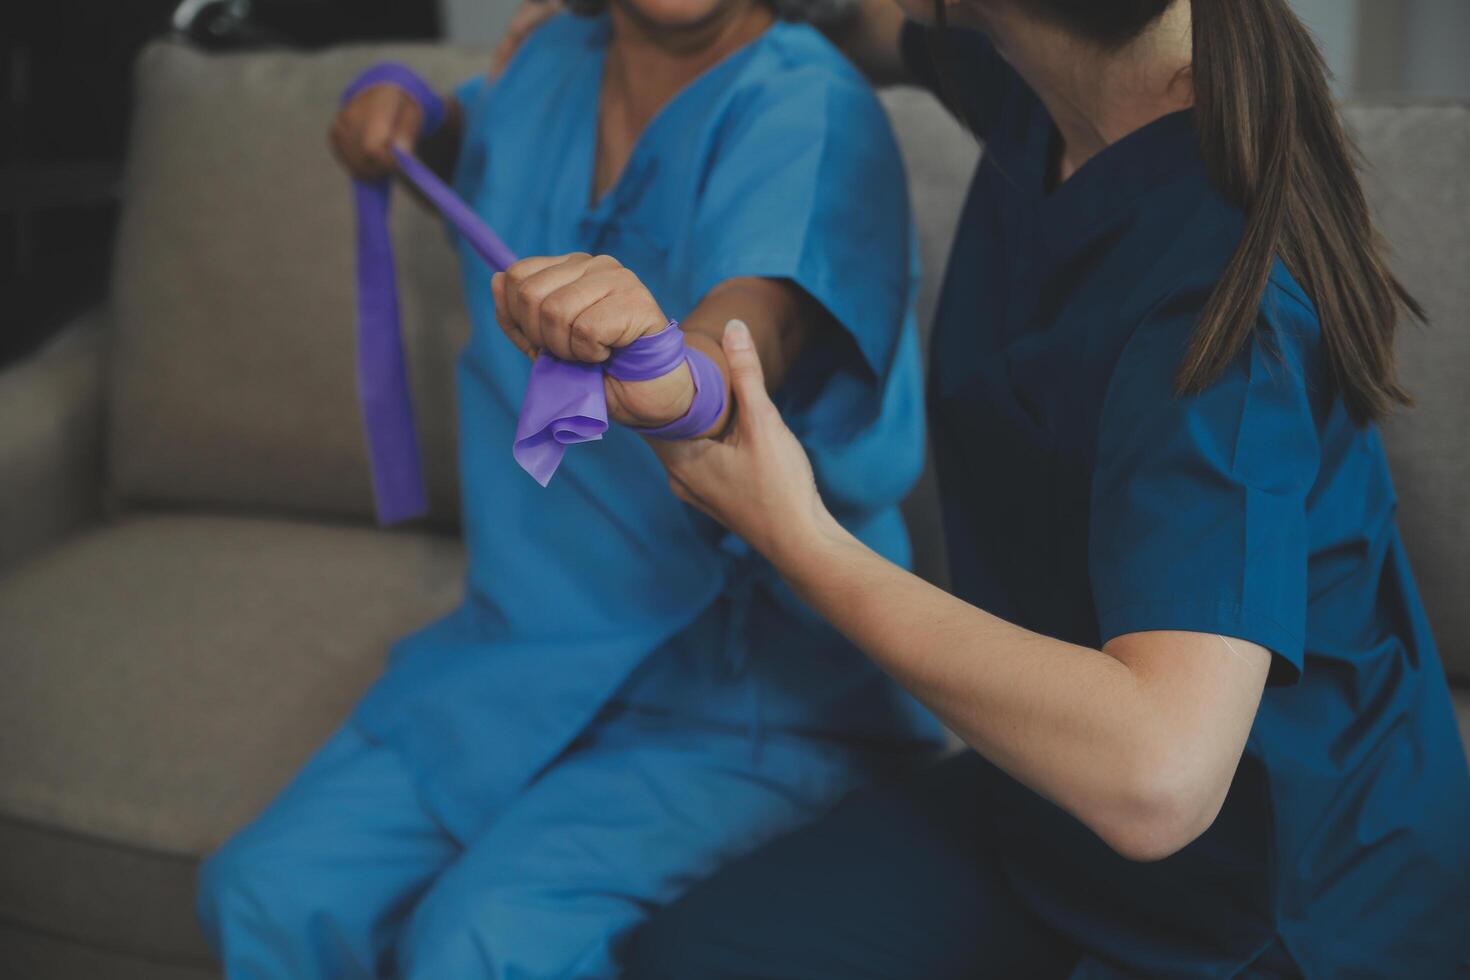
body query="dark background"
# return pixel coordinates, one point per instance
(65, 68)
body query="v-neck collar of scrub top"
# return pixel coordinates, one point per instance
(1106, 188)
(642, 163)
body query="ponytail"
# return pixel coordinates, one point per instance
(1273, 144)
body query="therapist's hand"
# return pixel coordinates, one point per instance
(757, 480)
(523, 23)
(581, 307)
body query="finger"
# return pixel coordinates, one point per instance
(603, 308)
(517, 275)
(377, 127)
(502, 317)
(747, 379)
(528, 294)
(615, 320)
(407, 124)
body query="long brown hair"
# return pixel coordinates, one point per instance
(1274, 146)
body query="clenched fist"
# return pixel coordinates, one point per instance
(366, 129)
(582, 307)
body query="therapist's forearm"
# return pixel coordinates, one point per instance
(1073, 723)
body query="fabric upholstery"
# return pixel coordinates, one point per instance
(51, 442)
(1418, 183)
(26, 954)
(110, 896)
(233, 374)
(165, 675)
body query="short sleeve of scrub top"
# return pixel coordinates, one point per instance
(468, 92)
(1199, 502)
(813, 149)
(806, 184)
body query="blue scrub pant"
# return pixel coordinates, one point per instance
(347, 875)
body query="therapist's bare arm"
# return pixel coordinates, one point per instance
(582, 307)
(870, 39)
(1140, 741)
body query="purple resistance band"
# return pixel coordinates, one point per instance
(565, 402)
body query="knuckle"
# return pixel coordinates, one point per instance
(583, 332)
(556, 310)
(534, 294)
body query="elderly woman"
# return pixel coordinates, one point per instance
(627, 697)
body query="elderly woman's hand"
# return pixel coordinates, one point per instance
(757, 480)
(582, 307)
(365, 130)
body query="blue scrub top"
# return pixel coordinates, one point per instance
(603, 588)
(1084, 500)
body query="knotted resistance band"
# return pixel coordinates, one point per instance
(565, 402)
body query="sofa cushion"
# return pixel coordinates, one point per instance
(1419, 185)
(73, 906)
(163, 678)
(165, 675)
(233, 374)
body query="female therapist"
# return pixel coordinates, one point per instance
(1211, 732)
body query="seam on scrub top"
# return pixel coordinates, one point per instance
(1245, 612)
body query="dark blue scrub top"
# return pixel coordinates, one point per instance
(1084, 500)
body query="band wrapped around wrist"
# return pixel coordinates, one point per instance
(411, 82)
(708, 404)
(648, 357)
(655, 356)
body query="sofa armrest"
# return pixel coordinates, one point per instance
(51, 416)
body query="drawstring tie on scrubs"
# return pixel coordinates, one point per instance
(565, 401)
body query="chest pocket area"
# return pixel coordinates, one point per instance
(634, 223)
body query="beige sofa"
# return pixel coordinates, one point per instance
(192, 593)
